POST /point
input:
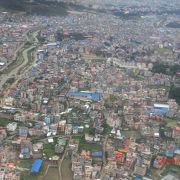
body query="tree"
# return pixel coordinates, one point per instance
(174, 93)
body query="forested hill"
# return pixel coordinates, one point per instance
(39, 7)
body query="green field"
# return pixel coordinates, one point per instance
(171, 169)
(171, 122)
(26, 175)
(90, 147)
(163, 51)
(5, 122)
(131, 133)
(25, 163)
(48, 149)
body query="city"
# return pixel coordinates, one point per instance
(91, 92)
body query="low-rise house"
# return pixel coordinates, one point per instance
(59, 149)
(9, 173)
(75, 130)
(88, 172)
(35, 132)
(88, 138)
(140, 169)
(23, 132)
(19, 117)
(37, 151)
(176, 132)
(159, 162)
(73, 145)
(68, 129)
(26, 149)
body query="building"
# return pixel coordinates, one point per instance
(23, 131)
(59, 149)
(94, 96)
(36, 166)
(12, 126)
(140, 169)
(68, 129)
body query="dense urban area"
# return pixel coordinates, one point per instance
(90, 90)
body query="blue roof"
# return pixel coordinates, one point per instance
(169, 153)
(36, 166)
(137, 178)
(25, 150)
(97, 154)
(159, 111)
(95, 96)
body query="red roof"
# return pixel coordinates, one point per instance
(177, 128)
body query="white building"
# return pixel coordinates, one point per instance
(12, 126)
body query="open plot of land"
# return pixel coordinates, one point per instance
(131, 133)
(91, 57)
(171, 122)
(52, 174)
(67, 174)
(89, 146)
(25, 163)
(26, 175)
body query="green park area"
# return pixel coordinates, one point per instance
(48, 149)
(26, 174)
(171, 122)
(171, 169)
(4, 122)
(131, 133)
(163, 51)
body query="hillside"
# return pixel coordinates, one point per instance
(39, 7)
